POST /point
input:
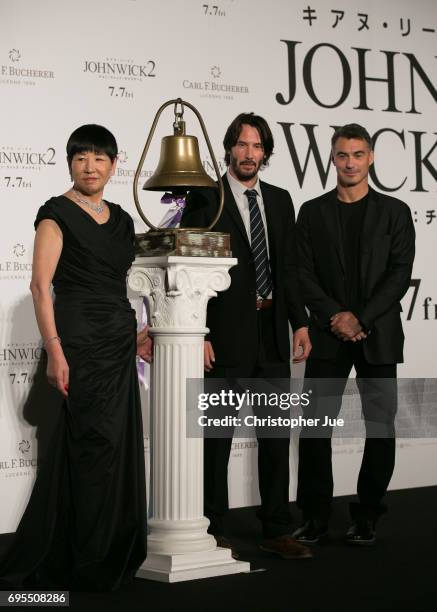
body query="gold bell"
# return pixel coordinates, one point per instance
(179, 166)
(179, 169)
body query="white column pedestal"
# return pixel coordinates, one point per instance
(178, 290)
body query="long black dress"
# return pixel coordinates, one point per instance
(85, 524)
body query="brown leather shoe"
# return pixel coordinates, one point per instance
(286, 547)
(223, 542)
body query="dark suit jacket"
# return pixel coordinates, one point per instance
(387, 254)
(232, 316)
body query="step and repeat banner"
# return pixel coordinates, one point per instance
(305, 66)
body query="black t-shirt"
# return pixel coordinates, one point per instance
(351, 223)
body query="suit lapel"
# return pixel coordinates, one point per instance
(232, 209)
(332, 219)
(269, 210)
(371, 218)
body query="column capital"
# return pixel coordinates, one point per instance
(178, 288)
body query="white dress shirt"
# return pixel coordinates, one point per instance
(242, 202)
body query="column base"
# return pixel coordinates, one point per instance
(190, 566)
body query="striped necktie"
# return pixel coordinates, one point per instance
(259, 246)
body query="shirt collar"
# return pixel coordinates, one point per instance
(238, 188)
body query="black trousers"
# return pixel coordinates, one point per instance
(379, 404)
(273, 453)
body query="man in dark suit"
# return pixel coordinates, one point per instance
(248, 323)
(356, 252)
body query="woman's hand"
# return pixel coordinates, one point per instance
(145, 345)
(208, 356)
(58, 371)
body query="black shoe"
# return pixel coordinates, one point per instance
(361, 532)
(311, 532)
(286, 547)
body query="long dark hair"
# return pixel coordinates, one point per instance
(233, 133)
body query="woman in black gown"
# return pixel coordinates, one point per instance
(85, 524)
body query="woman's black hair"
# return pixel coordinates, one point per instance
(91, 137)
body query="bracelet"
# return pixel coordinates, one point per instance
(50, 339)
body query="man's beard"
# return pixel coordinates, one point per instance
(248, 172)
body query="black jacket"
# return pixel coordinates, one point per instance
(232, 316)
(386, 261)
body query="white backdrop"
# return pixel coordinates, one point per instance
(305, 67)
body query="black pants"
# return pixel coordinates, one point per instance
(273, 453)
(379, 403)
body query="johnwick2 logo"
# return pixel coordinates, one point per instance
(23, 158)
(121, 69)
(418, 145)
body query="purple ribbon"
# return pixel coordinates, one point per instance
(172, 217)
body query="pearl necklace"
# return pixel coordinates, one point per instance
(97, 208)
